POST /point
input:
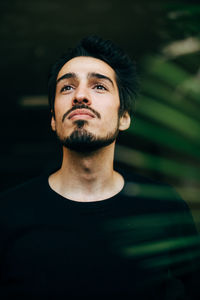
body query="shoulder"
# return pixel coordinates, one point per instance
(20, 205)
(23, 191)
(153, 192)
(160, 201)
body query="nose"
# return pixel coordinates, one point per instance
(81, 96)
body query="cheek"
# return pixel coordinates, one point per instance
(108, 106)
(110, 119)
(59, 109)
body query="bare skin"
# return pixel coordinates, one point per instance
(87, 177)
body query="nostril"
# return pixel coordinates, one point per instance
(83, 100)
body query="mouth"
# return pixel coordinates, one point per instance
(81, 113)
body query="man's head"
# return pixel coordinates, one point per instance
(90, 95)
(116, 58)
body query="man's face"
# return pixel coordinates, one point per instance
(87, 105)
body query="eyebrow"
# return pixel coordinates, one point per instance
(90, 75)
(67, 76)
(100, 76)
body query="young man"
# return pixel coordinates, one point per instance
(85, 231)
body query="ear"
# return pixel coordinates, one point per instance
(53, 121)
(125, 121)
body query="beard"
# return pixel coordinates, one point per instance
(83, 141)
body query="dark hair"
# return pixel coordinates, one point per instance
(107, 51)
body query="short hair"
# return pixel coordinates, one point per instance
(115, 57)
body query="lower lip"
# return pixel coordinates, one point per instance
(81, 116)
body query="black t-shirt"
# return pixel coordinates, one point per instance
(139, 244)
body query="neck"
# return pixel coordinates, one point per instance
(87, 177)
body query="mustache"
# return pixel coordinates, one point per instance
(79, 106)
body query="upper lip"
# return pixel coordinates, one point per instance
(81, 112)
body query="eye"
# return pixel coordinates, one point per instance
(66, 88)
(100, 87)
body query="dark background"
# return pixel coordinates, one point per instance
(162, 36)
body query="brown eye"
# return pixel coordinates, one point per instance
(100, 87)
(66, 88)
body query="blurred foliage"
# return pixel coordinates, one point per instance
(182, 19)
(167, 111)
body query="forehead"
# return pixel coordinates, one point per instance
(83, 65)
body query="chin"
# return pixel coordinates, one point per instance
(83, 141)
